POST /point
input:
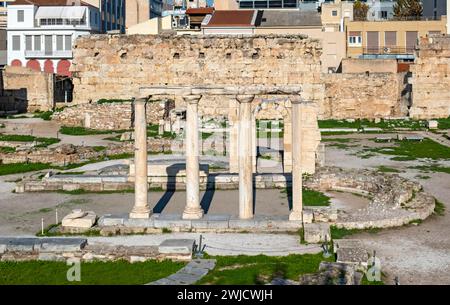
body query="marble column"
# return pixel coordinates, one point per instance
(297, 200)
(141, 208)
(193, 209)
(245, 156)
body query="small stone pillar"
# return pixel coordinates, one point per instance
(245, 156)
(193, 209)
(141, 208)
(297, 200)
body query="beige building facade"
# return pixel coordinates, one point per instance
(136, 11)
(390, 37)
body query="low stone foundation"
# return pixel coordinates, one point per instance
(64, 248)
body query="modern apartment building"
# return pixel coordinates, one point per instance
(389, 39)
(41, 33)
(380, 10)
(113, 15)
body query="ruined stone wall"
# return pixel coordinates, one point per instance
(107, 116)
(116, 66)
(358, 95)
(38, 86)
(431, 79)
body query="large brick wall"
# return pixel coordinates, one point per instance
(116, 66)
(431, 79)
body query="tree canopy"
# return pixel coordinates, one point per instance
(408, 9)
(360, 10)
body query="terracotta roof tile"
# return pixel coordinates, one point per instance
(200, 11)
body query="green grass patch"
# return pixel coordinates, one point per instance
(206, 135)
(110, 101)
(260, 269)
(439, 208)
(414, 150)
(153, 132)
(43, 142)
(15, 168)
(98, 148)
(44, 115)
(82, 192)
(7, 149)
(383, 124)
(365, 281)
(338, 233)
(82, 131)
(92, 273)
(386, 169)
(432, 168)
(311, 197)
(339, 140)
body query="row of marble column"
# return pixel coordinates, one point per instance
(193, 209)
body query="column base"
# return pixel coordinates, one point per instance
(296, 216)
(189, 213)
(140, 213)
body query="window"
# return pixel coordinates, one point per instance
(16, 43)
(383, 14)
(59, 43)
(354, 39)
(20, 16)
(37, 43)
(334, 13)
(28, 43)
(68, 42)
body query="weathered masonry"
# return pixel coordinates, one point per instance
(116, 66)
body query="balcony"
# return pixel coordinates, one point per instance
(389, 52)
(48, 54)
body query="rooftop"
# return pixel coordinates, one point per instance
(50, 3)
(232, 18)
(200, 11)
(270, 18)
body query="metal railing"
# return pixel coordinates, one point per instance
(48, 54)
(388, 50)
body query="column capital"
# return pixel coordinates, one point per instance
(248, 98)
(295, 99)
(192, 99)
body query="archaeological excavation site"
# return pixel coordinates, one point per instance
(215, 159)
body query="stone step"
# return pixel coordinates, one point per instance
(316, 232)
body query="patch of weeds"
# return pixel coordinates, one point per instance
(439, 208)
(44, 115)
(340, 140)
(206, 135)
(365, 281)
(82, 131)
(338, 233)
(111, 101)
(415, 222)
(166, 230)
(423, 177)
(432, 168)
(15, 168)
(42, 142)
(153, 132)
(311, 197)
(386, 169)
(7, 150)
(98, 148)
(424, 149)
(405, 158)
(45, 210)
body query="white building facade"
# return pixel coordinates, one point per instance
(41, 37)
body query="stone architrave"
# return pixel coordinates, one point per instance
(245, 156)
(141, 208)
(193, 209)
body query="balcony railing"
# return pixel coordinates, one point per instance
(388, 50)
(48, 54)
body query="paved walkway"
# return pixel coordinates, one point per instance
(188, 275)
(223, 243)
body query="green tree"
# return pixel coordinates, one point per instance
(408, 9)
(360, 10)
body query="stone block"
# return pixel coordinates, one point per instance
(211, 222)
(432, 124)
(139, 222)
(244, 224)
(18, 244)
(61, 244)
(316, 232)
(176, 246)
(352, 255)
(308, 216)
(51, 257)
(346, 243)
(171, 221)
(79, 220)
(2, 249)
(112, 220)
